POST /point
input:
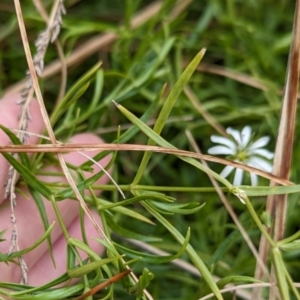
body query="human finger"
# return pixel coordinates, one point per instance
(30, 226)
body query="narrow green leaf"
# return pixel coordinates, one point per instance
(176, 90)
(23, 156)
(280, 274)
(71, 258)
(1, 235)
(196, 260)
(167, 107)
(163, 143)
(29, 177)
(65, 106)
(257, 191)
(125, 211)
(154, 259)
(134, 200)
(80, 271)
(98, 88)
(131, 132)
(236, 279)
(161, 211)
(137, 80)
(73, 94)
(55, 294)
(69, 193)
(125, 233)
(75, 29)
(289, 239)
(41, 207)
(30, 290)
(293, 246)
(223, 247)
(79, 244)
(6, 257)
(144, 280)
(183, 209)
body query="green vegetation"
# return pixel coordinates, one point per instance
(172, 79)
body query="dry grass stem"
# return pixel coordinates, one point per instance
(86, 156)
(205, 114)
(64, 148)
(237, 76)
(36, 66)
(276, 204)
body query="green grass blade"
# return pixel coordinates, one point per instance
(138, 80)
(23, 156)
(140, 286)
(6, 257)
(68, 122)
(125, 233)
(126, 136)
(133, 200)
(29, 177)
(126, 211)
(68, 193)
(182, 209)
(280, 274)
(163, 143)
(55, 294)
(73, 91)
(197, 261)
(41, 207)
(167, 107)
(80, 271)
(154, 259)
(257, 191)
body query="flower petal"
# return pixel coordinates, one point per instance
(263, 152)
(238, 177)
(224, 141)
(254, 179)
(226, 171)
(235, 134)
(260, 163)
(263, 141)
(220, 150)
(245, 134)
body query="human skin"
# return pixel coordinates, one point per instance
(29, 223)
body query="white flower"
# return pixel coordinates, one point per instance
(240, 148)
